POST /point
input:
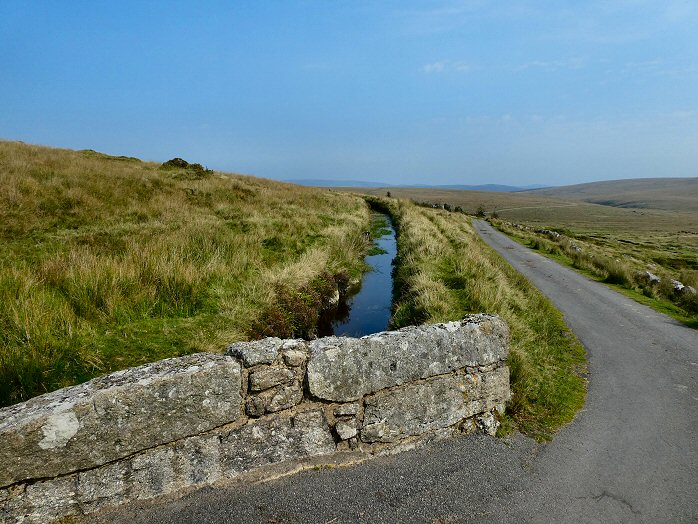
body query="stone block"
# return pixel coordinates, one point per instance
(197, 460)
(435, 404)
(254, 406)
(102, 487)
(41, 502)
(256, 352)
(117, 415)
(275, 399)
(345, 369)
(284, 397)
(294, 358)
(268, 378)
(274, 440)
(346, 410)
(346, 429)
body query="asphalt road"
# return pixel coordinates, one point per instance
(629, 456)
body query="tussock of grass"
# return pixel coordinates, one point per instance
(445, 271)
(110, 262)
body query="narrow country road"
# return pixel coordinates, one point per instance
(631, 455)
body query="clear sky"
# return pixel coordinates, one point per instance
(443, 92)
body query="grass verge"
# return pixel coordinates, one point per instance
(444, 271)
(622, 264)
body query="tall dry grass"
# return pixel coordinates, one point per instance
(109, 262)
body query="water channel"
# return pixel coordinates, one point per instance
(368, 311)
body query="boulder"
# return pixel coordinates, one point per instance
(649, 278)
(677, 286)
(257, 352)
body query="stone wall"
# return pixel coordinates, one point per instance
(263, 409)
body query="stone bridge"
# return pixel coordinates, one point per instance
(264, 409)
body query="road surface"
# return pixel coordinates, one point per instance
(629, 456)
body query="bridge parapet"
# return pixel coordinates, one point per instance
(265, 408)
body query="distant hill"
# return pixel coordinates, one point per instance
(493, 188)
(496, 188)
(321, 182)
(674, 194)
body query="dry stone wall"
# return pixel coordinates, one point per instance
(265, 408)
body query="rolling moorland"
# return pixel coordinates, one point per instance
(616, 245)
(110, 262)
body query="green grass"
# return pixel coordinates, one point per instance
(619, 260)
(110, 262)
(445, 271)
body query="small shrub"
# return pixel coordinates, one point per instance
(296, 313)
(177, 163)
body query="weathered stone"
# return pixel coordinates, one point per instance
(274, 399)
(467, 426)
(284, 397)
(649, 278)
(42, 502)
(374, 431)
(345, 369)
(294, 358)
(438, 403)
(257, 352)
(117, 415)
(102, 487)
(688, 290)
(197, 460)
(488, 423)
(152, 474)
(346, 410)
(346, 429)
(678, 286)
(254, 406)
(274, 440)
(268, 378)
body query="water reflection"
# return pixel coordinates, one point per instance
(368, 311)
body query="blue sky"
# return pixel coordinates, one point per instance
(476, 91)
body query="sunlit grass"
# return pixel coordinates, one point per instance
(445, 271)
(622, 260)
(109, 262)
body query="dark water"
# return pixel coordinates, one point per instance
(368, 311)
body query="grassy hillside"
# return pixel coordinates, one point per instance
(445, 271)
(110, 262)
(673, 194)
